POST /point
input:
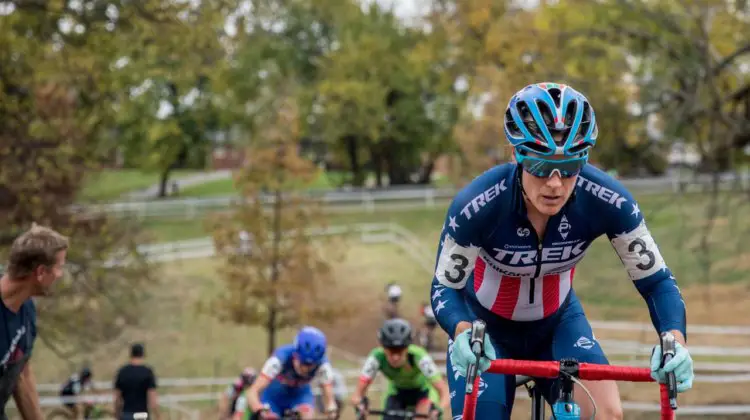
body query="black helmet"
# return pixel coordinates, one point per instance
(85, 373)
(395, 332)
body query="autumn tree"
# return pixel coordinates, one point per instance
(687, 62)
(56, 101)
(275, 272)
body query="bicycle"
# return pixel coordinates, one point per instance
(568, 372)
(405, 414)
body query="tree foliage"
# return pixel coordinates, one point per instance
(56, 91)
(275, 272)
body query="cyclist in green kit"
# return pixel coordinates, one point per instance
(411, 372)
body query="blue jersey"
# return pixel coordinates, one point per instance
(280, 370)
(490, 257)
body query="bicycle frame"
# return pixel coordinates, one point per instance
(552, 369)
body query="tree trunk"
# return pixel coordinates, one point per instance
(164, 181)
(377, 164)
(273, 309)
(352, 149)
(425, 174)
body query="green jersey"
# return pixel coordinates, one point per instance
(418, 372)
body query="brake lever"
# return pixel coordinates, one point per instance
(668, 349)
(476, 341)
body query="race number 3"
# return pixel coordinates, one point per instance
(455, 263)
(638, 252)
(457, 273)
(639, 246)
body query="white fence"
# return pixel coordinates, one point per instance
(370, 200)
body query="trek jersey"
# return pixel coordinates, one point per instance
(17, 337)
(418, 372)
(490, 260)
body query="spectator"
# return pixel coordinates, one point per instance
(135, 388)
(36, 261)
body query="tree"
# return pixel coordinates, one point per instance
(687, 61)
(274, 271)
(54, 105)
(167, 108)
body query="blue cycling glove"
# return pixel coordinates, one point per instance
(681, 364)
(461, 354)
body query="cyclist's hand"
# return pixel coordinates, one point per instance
(265, 414)
(436, 413)
(461, 354)
(681, 364)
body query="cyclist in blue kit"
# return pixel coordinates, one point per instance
(509, 248)
(284, 380)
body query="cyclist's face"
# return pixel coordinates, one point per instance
(302, 368)
(47, 275)
(396, 356)
(548, 194)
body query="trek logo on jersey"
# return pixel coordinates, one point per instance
(604, 194)
(482, 199)
(549, 254)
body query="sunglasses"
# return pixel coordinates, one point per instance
(543, 168)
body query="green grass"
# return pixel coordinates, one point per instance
(223, 187)
(111, 184)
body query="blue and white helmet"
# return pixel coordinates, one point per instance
(540, 109)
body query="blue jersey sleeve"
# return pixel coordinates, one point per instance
(627, 231)
(465, 225)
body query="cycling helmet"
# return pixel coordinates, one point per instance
(395, 332)
(310, 345)
(537, 111)
(394, 292)
(85, 373)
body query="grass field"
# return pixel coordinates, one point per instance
(111, 184)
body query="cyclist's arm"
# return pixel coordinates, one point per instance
(430, 370)
(370, 370)
(26, 395)
(225, 400)
(325, 376)
(270, 369)
(459, 247)
(631, 239)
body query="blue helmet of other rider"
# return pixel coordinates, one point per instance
(310, 345)
(550, 121)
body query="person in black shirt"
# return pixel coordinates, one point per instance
(135, 388)
(36, 261)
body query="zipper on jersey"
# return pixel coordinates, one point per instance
(539, 246)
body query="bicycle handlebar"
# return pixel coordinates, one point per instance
(398, 413)
(551, 369)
